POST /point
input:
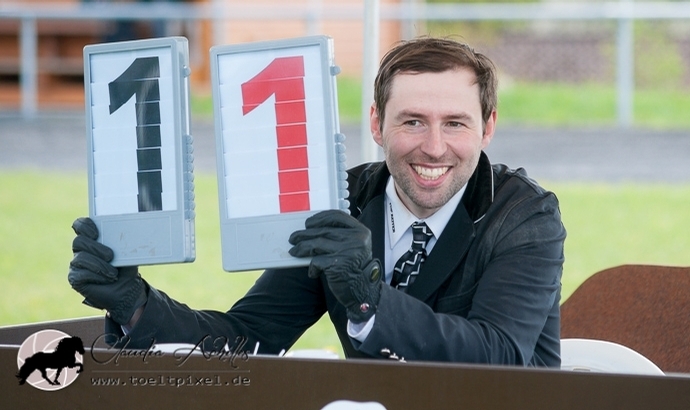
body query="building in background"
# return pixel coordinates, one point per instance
(60, 42)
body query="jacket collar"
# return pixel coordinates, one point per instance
(479, 194)
(373, 179)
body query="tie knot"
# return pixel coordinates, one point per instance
(420, 235)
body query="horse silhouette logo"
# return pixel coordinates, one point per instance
(50, 360)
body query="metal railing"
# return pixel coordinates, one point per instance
(624, 12)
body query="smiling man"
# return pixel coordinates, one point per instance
(444, 256)
(432, 133)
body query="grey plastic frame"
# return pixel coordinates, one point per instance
(171, 237)
(261, 242)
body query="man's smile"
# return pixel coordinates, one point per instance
(430, 173)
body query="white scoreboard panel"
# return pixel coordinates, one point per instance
(280, 156)
(141, 186)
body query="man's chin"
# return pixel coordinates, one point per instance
(429, 203)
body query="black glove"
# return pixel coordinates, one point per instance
(340, 247)
(120, 291)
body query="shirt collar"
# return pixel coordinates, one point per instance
(399, 218)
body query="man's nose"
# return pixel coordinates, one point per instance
(434, 144)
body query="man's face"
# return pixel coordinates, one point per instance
(432, 136)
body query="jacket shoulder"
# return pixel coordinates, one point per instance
(363, 182)
(505, 177)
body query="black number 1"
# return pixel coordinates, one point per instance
(141, 80)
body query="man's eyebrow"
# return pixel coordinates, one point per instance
(463, 116)
(456, 116)
(407, 113)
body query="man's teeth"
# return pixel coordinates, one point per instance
(430, 173)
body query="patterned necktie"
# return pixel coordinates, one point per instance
(407, 267)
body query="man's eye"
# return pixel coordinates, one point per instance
(455, 124)
(413, 123)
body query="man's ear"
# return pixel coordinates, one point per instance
(375, 125)
(489, 129)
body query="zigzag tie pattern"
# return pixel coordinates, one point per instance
(408, 266)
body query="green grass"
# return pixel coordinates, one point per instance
(349, 99)
(556, 104)
(610, 225)
(607, 225)
(590, 104)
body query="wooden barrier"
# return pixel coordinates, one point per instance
(120, 379)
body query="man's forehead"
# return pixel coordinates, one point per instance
(455, 85)
(458, 77)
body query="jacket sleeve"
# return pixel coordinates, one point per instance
(275, 312)
(519, 258)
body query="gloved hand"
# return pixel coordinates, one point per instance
(120, 291)
(340, 247)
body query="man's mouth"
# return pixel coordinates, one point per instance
(430, 173)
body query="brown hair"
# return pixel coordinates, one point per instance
(435, 55)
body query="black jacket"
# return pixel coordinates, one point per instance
(489, 291)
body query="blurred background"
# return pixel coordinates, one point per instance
(593, 101)
(625, 62)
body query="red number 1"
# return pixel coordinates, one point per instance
(284, 77)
